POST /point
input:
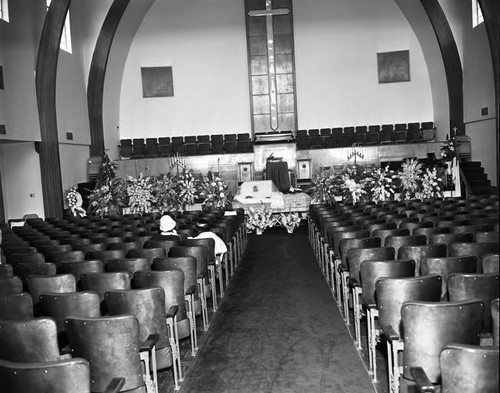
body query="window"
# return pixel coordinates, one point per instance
(65, 43)
(477, 14)
(4, 10)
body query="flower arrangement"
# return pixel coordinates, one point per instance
(166, 197)
(260, 219)
(354, 184)
(214, 192)
(431, 187)
(74, 202)
(291, 220)
(108, 199)
(449, 149)
(140, 191)
(187, 187)
(410, 176)
(382, 185)
(325, 187)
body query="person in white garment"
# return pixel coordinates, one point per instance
(203, 228)
(167, 226)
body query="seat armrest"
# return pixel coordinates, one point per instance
(149, 343)
(420, 377)
(371, 306)
(390, 333)
(115, 385)
(191, 290)
(201, 277)
(172, 311)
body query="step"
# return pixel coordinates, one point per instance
(473, 170)
(470, 164)
(479, 182)
(491, 190)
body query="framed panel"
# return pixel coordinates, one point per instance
(157, 82)
(393, 66)
(245, 171)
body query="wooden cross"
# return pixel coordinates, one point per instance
(269, 12)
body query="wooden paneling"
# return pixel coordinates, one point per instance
(452, 63)
(45, 80)
(97, 73)
(262, 74)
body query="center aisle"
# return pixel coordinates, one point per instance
(278, 328)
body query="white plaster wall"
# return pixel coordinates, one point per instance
(205, 43)
(20, 167)
(336, 46)
(74, 160)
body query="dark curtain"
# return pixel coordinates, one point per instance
(277, 171)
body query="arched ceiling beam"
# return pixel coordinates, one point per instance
(97, 73)
(45, 82)
(452, 63)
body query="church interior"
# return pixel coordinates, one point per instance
(266, 98)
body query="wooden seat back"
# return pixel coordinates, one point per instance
(149, 253)
(32, 340)
(490, 263)
(16, 307)
(60, 376)
(172, 284)
(448, 238)
(487, 237)
(200, 253)
(495, 321)
(371, 271)
(473, 248)
(444, 266)
(355, 242)
(398, 241)
(65, 256)
(355, 256)
(125, 246)
(148, 306)
(418, 253)
(429, 326)
(111, 345)
(77, 268)
(55, 283)
(36, 257)
(23, 270)
(129, 265)
(469, 368)
(391, 293)
(166, 243)
(10, 285)
(186, 264)
(484, 287)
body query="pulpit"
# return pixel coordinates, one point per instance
(277, 172)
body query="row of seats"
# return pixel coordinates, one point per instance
(101, 303)
(187, 145)
(423, 275)
(365, 135)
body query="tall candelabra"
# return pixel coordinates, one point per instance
(178, 162)
(355, 152)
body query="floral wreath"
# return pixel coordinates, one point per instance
(75, 201)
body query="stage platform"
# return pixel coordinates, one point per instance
(227, 165)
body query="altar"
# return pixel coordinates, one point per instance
(265, 194)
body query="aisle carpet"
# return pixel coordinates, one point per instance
(278, 328)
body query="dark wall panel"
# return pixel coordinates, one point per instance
(97, 73)
(45, 80)
(452, 64)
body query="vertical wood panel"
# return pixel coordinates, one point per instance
(97, 73)
(451, 60)
(45, 81)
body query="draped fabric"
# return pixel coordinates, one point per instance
(277, 171)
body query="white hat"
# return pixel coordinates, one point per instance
(167, 224)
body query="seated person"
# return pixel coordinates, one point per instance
(203, 228)
(167, 229)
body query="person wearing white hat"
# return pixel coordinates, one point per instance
(167, 226)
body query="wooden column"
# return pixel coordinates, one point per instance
(45, 81)
(98, 67)
(451, 60)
